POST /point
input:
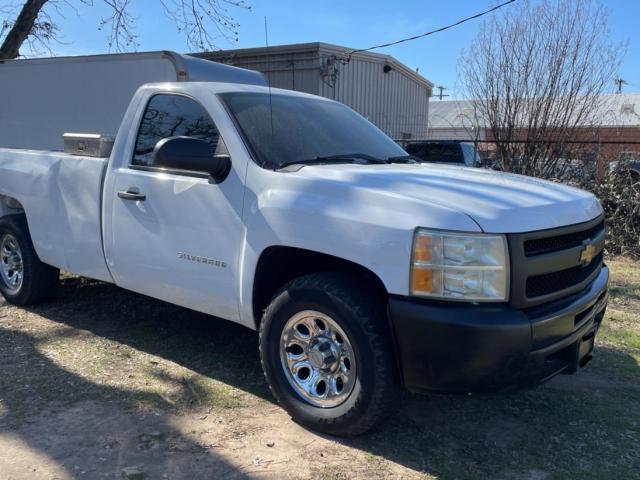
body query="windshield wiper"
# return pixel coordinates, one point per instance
(345, 157)
(404, 159)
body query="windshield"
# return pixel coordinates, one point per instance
(304, 129)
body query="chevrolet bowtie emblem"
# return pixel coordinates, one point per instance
(587, 254)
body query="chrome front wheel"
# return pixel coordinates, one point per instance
(11, 263)
(318, 359)
(326, 353)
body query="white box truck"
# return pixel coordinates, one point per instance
(364, 270)
(44, 98)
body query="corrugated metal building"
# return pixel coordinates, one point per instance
(389, 94)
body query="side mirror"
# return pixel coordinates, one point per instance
(193, 155)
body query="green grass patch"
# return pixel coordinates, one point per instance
(621, 337)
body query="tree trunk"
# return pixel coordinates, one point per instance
(21, 29)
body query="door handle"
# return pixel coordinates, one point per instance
(132, 195)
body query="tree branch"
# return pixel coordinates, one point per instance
(21, 29)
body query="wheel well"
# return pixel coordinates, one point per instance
(9, 206)
(279, 265)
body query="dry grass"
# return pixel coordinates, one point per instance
(84, 380)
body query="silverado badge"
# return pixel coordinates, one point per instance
(207, 261)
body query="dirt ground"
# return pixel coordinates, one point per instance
(103, 383)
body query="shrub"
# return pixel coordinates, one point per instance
(619, 193)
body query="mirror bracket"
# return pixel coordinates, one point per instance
(218, 177)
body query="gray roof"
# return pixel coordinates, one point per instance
(451, 113)
(618, 110)
(322, 48)
(622, 110)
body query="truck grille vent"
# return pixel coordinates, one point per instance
(539, 246)
(547, 283)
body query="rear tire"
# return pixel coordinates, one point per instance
(333, 395)
(24, 279)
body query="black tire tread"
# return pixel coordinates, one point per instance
(41, 281)
(370, 313)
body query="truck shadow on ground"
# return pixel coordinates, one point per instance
(55, 424)
(556, 427)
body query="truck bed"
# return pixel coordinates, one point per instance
(61, 196)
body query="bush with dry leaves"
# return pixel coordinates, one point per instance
(619, 193)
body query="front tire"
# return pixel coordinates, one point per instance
(327, 354)
(24, 279)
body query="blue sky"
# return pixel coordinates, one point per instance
(351, 23)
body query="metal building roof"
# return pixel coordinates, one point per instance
(622, 110)
(451, 114)
(325, 49)
(618, 110)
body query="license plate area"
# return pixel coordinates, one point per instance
(575, 355)
(585, 348)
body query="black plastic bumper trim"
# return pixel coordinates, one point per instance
(449, 348)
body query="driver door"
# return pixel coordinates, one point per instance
(175, 236)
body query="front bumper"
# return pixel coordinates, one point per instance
(451, 347)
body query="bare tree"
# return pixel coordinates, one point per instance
(17, 32)
(202, 22)
(537, 73)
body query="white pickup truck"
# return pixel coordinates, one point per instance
(364, 271)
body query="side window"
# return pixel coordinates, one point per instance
(172, 116)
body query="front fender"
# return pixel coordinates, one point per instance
(371, 228)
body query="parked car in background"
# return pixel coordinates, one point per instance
(451, 152)
(628, 164)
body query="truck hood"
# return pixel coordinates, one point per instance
(498, 202)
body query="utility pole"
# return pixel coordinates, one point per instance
(619, 82)
(442, 88)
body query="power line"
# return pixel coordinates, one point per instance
(477, 15)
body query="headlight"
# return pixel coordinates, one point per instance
(467, 266)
